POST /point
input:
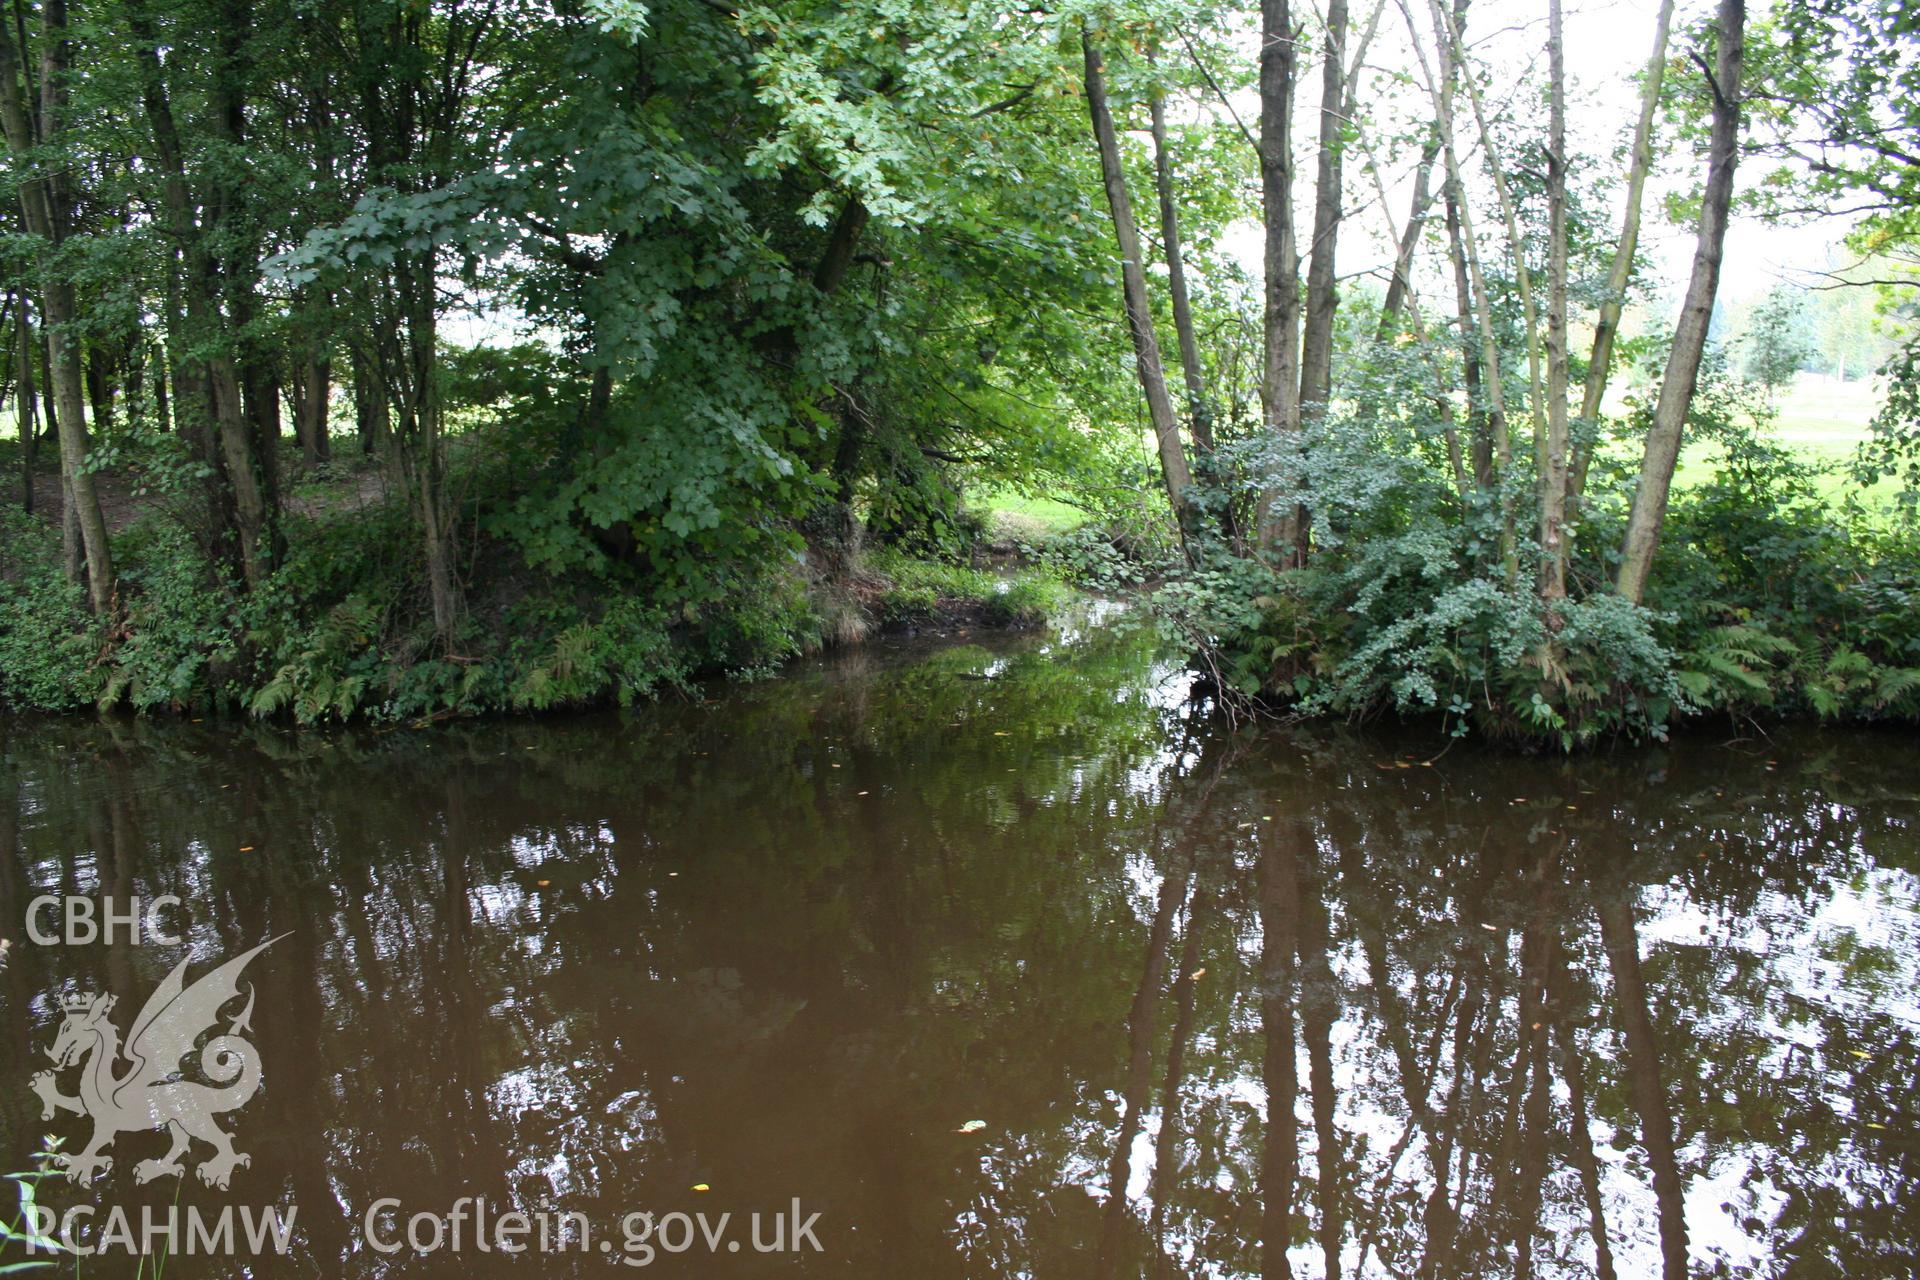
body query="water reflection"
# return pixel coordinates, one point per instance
(1260, 1004)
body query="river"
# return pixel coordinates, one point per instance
(996, 957)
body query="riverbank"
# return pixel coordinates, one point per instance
(342, 630)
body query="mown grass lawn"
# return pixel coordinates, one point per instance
(1820, 420)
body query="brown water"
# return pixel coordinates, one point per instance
(788, 943)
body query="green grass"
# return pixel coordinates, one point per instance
(924, 590)
(1023, 518)
(1822, 422)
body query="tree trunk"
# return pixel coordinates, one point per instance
(312, 388)
(1142, 1029)
(1573, 1070)
(369, 404)
(422, 446)
(1479, 420)
(1553, 476)
(1316, 343)
(1133, 281)
(1643, 1068)
(1467, 264)
(1199, 411)
(1279, 906)
(1690, 336)
(1454, 50)
(99, 389)
(1319, 1010)
(1400, 287)
(45, 218)
(248, 472)
(1279, 519)
(1607, 325)
(23, 402)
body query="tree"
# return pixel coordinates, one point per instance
(1153, 378)
(46, 210)
(1662, 452)
(1775, 344)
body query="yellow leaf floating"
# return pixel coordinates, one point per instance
(1199, 973)
(972, 1126)
(246, 848)
(701, 1186)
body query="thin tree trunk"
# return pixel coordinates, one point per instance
(1319, 1007)
(1199, 411)
(23, 401)
(1133, 278)
(99, 389)
(422, 446)
(312, 384)
(1449, 31)
(248, 473)
(1166, 1146)
(1643, 1067)
(1649, 512)
(1142, 1023)
(1553, 475)
(1400, 287)
(1607, 324)
(1480, 430)
(1467, 262)
(1560, 1015)
(1316, 342)
(1400, 298)
(1279, 904)
(1279, 520)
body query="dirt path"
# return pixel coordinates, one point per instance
(124, 499)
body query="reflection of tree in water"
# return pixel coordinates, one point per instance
(1527, 1082)
(1251, 1005)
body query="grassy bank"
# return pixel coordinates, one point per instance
(342, 630)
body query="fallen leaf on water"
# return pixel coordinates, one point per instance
(541, 884)
(972, 1126)
(246, 848)
(1872, 1125)
(1199, 973)
(1859, 1053)
(701, 1186)
(861, 793)
(1489, 928)
(1001, 733)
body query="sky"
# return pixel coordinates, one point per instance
(1608, 43)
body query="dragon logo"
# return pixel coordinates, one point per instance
(149, 1093)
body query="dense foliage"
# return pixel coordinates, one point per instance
(623, 342)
